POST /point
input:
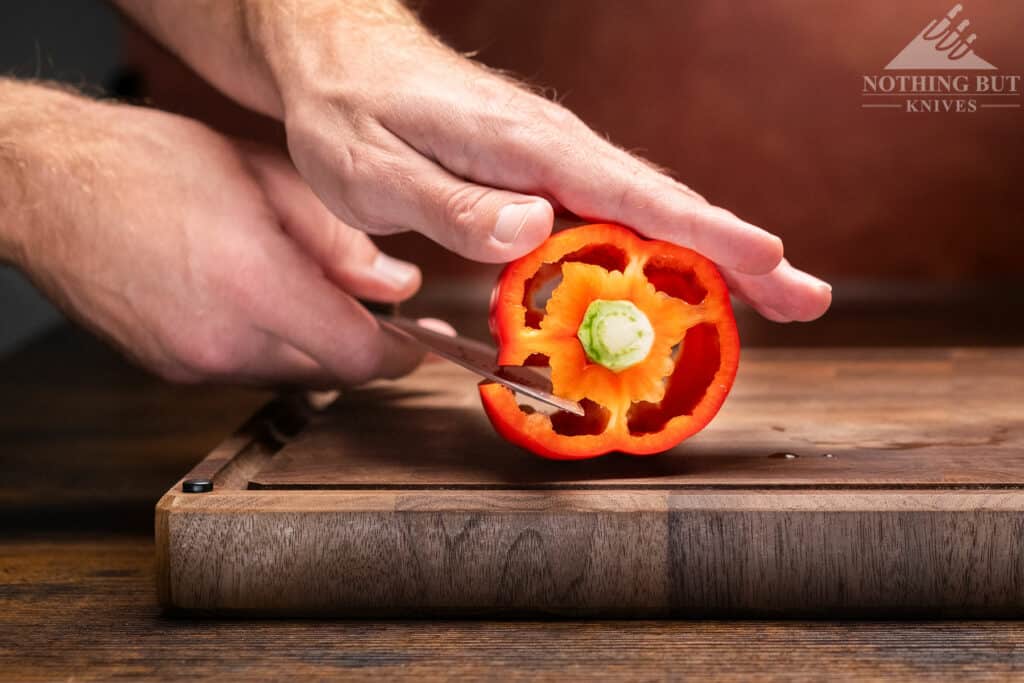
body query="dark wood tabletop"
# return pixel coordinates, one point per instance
(90, 443)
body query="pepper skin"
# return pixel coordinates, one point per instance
(648, 406)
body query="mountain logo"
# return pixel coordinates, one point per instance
(939, 73)
(941, 45)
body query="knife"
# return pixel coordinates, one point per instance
(473, 355)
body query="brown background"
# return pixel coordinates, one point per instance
(757, 106)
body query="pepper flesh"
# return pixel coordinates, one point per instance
(647, 405)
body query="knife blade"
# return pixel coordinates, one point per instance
(478, 357)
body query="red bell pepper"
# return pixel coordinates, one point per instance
(640, 332)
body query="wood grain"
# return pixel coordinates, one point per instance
(888, 418)
(88, 450)
(400, 500)
(895, 553)
(83, 609)
(873, 553)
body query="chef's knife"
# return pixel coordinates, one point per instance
(476, 356)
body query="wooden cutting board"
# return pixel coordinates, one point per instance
(863, 482)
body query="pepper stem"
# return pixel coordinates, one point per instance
(615, 334)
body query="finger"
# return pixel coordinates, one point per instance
(347, 256)
(771, 314)
(402, 190)
(608, 184)
(309, 312)
(283, 364)
(662, 208)
(784, 295)
(541, 148)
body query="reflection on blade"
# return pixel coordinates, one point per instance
(480, 358)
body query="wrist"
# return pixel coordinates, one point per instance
(314, 46)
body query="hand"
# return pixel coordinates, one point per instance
(394, 132)
(201, 260)
(408, 135)
(469, 158)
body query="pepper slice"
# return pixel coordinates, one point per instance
(640, 332)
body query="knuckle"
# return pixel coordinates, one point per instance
(347, 163)
(525, 130)
(636, 193)
(196, 355)
(235, 274)
(358, 167)
(542, 147)
(364, 364)
(536, 132)
(362, 157)
(520, 117)
(461, 205)
(467, 157)
(205, 356)
(461, 210)
(552, 120)
(371, 173)
(558, 117)
(361, 124)
(176, 373)
(535, 147)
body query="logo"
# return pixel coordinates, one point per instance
(943, 45)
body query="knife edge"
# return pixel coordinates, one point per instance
(479, 358)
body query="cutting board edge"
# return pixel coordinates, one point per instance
(613, 554)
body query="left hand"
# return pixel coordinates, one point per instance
(409, 135)
(394, 131)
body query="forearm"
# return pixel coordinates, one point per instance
(31, 134)
(53, 142)
(256, 51)
(11, 198)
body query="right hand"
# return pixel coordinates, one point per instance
(202, 260)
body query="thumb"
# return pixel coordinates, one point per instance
(476, 221)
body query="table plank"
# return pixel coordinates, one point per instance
(83, 608)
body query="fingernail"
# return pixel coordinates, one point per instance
(394, 271)
(437, 325)
(817, 282)
(773, 315)
(511, 220)
(808, 278)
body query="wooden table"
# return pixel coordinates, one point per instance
(89, 444)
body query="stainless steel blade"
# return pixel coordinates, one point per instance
(481, 359)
